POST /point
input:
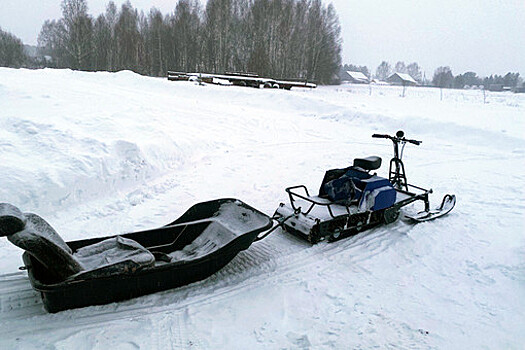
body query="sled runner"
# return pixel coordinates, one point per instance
(103, 270)
(353, 199)
(446, 206)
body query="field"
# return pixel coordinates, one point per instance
(107, 153)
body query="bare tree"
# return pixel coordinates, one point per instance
(443, 77)
(383, 71)
(186, 29)
(102, 41)
(414, 71)
(69, 40)
(155, 42)
(111, 17)
(330, 57)
(400, 67)
(77, 28)
(127, 38)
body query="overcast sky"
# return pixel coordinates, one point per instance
(485, 36)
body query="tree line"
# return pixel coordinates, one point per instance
(277, 38)
(11, 50)
(442, 77)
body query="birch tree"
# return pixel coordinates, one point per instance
(77, 30)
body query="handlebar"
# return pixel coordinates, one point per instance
(415, 142)
(398, 138)
(381, 136)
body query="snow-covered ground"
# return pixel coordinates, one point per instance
(106, 153)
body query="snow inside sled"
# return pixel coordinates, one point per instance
(108, 269)
(353, 199)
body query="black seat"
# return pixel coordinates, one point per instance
(368, 163)
(33, 234)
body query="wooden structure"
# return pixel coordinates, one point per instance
(239, 79)
(401, 79)
(356, 77)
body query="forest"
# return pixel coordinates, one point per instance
(284, 39)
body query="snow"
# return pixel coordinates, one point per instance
(239, 219)
(106, 153)
(212, 238)
(221, 81)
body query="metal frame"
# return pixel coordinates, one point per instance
(412, 198)
(313, 202)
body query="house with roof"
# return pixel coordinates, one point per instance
(356, 77)
(401, 79)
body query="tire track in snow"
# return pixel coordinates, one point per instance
(170, 331)
(17, 298)
(267, 264)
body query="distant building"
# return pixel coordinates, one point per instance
(378, 82)
(401, 79)
(496, 87)
(356, 77)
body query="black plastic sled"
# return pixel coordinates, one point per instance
(354, 199)
(103, 270)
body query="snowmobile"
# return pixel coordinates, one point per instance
(353, 199)
(108, 269)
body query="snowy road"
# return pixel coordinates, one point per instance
(105, 153)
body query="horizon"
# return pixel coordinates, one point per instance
(488, 41)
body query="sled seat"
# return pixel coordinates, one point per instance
(214, 236)
(116, 255)
(368, 163)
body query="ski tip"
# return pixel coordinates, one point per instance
(447, 204)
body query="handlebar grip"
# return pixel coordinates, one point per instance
(415, 142)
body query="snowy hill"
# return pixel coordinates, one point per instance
(107, 153)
